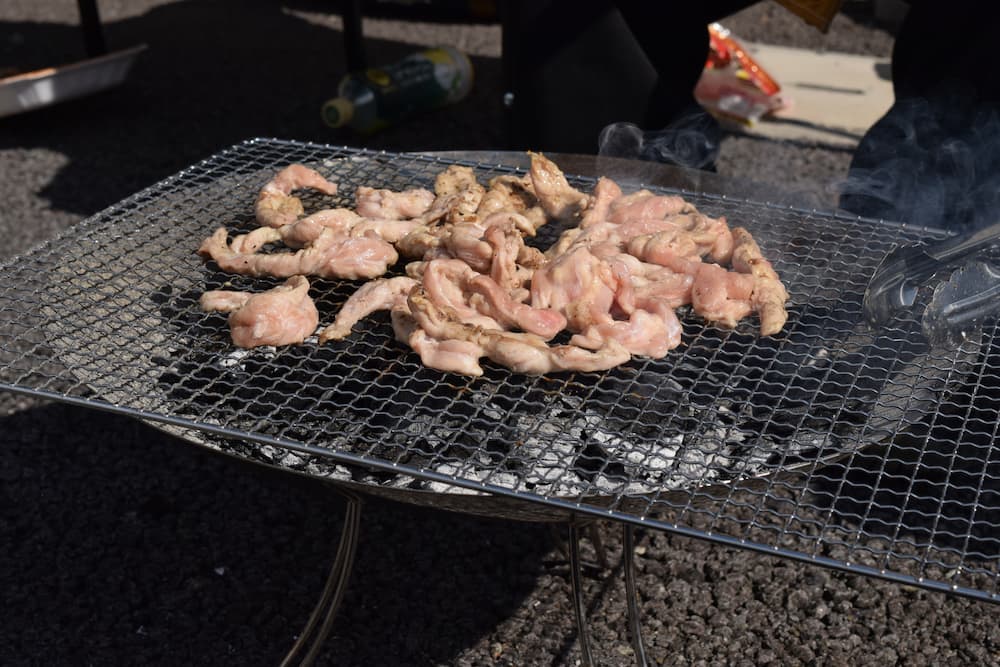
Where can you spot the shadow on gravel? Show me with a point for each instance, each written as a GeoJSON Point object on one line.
{"type": "Point", "coordinates": [124, 544]}
{"type": "Point", "coordinates": [214, 74]}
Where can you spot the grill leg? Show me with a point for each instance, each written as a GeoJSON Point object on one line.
{"type": "Point", "coordinates": [634, 624]}
{"type": "Point", "coordinates": [593, 533]}
{"type": "Point", "coordinates": [317, 630]}
{"type": "Point", "coordinates": [579, 607]}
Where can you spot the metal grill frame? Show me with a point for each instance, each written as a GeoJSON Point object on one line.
{"type": "Point", "coordinates": [911, 495]}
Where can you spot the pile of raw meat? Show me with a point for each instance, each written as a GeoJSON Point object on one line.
{"type": "Point", "coordinates": [472, 288]}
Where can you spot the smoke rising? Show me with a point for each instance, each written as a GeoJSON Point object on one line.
{"type": "Point", "coordinates": [931, 161]}
{"type": "Point", "coordinates": [692, 141]}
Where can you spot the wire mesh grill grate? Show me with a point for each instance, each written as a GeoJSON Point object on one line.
{"type": "Point", "coordinates": [863, 450]}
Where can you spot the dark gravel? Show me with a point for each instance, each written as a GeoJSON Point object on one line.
{"type": "Point", "coordinates": [126, 546]}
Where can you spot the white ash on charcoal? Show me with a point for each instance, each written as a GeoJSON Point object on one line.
{"type": "Point", "coordinates": [568, 453]}
{"type": "Point", "coordinates": [722, 453]}
{"type": "Point", "coordinates": [505, 480]}
{"type": "Point", "coordinates": [550, 468]}
{"type": "Point", "coordinates": [562, 449]}
{"type": "Point", "coordinates": [235, 358]}
{"type": "Point", "coordinates": [288, 458]}
{"type": "Point", "coordinates": [651, 437]}
{"type": "Point", "coordinates": [403, 482]}
{"type": "Point", "coordinates": [649, 467]}
{"type": "Point", "coordinates": [544, 447]}
{"type": "Point", "coordinates": [322, 468]}
{"type": "Point", "coordinates": [423, 436]}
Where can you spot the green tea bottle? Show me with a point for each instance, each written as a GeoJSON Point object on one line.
{"type": "Point", "coordinates": [378, 97]}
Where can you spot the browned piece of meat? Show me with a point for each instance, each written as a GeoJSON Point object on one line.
{"type": "Point", "coordinates": [457, 197]}
{"type": "Point", "coordinates": [559, 199]}
{"type": "Point", "coordinates": [514, 194]}
{"type": "Point", "coordinates": [275, 204]}
{"type": "Point", "coordinates": [769, 294]}
{"type": "Point", "coordinates": [464, 241]}
{"type": "Point", "coordinates": [458, 216]}
{"type": "Point", "coordinates": [284, 315]}
{"type": "Point", "coordinates": [419, 243]}
{"type": "Point", "coordinates": [455, 179]}
{"type": "Point", "coordinates": [457, 185]}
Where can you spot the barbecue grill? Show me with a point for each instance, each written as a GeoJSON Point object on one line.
{"type": "Point", "coordinates": [864, 449]}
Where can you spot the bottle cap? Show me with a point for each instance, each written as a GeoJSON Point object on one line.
{"type": "Point", "coordinates": [337, 112]}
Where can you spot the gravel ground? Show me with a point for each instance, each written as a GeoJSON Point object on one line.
{"type": "Point", "coordinates": [127, 546]}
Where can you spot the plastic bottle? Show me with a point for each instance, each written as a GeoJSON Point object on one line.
{"type": "Point", "coordinates": [378, 97]}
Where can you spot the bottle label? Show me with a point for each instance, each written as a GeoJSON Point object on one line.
{"type": "Point", "coordinates": [419, 82]}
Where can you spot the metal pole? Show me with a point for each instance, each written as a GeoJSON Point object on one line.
{"type": "Point", "coordinates": [587, 659]}
{"type": "Point", "coordinates": [93, 31]}
{"type": "Point", "coordinates": [354, 39]}
{"type": "Point", "coordinates": [333, 592]}
{"type": "Point", "coordinates": [634, 624]}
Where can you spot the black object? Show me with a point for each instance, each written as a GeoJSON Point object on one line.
{"type": "Point", "coordinates": [354, 43]}
{"type": "Point", "coordinates": [576, 68]}
{"type": "Point", "coordinates": [93, 32]}
{"type": "Point", "coordinates": [934, 158]}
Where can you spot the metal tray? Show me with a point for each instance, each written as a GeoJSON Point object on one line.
{"type": "Point", "coordinates": [41, 88]}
